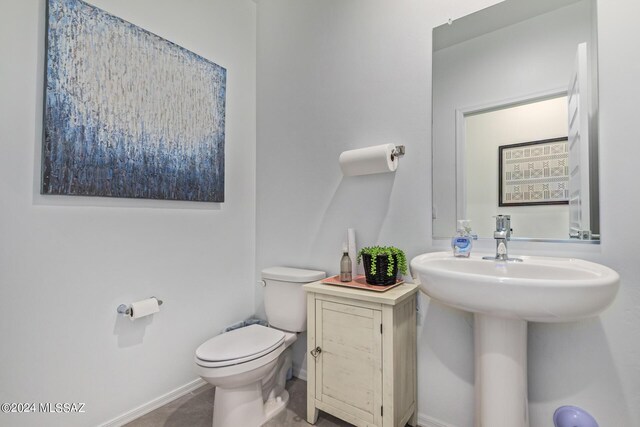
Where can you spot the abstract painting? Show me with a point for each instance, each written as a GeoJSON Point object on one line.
{"type": "Point", "coordinates": [128, 113]}
{"type": "Point", "coordinates": [534, 173]}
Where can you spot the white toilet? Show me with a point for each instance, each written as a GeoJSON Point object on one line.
{"type": "Point", "coordinates": [249, 365]}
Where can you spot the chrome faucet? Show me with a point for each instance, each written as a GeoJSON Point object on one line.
{"type": "Point", "coordinates": [502, 235]}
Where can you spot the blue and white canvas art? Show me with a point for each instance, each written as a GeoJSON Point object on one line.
{"type": "Point", "coordinates": [127, 113]}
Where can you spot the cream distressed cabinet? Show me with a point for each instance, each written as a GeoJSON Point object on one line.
{"type": "Point", "coordinates": [361, 354]}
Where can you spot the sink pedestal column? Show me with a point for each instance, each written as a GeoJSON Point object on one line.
{"type": "Point", "coordinates": [500, 372]}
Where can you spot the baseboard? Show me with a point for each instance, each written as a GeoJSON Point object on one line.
{"type": "Point", "coordinates": [426, 421]}
{"type": "Point", "coordinates": [154, 404]}
{"type": "Point", "coordinates": [423, 420]}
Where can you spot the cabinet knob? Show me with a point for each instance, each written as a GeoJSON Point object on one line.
{"type": "Point", "coordinates": [316, 351]}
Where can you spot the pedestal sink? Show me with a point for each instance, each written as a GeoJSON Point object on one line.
{"type": "Point", "coordinates": [504, 296]}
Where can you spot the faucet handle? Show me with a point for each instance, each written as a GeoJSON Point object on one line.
{"type": "Point", "coordinates": [503, 222]}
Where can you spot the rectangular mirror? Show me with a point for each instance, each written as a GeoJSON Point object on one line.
{"type": "Point", "coordinates": [515, 120]}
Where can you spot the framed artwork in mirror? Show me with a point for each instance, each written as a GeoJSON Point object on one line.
{"type": "Point", "coordinates": [534, 173]}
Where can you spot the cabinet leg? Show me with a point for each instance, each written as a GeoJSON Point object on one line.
{"type": "Point", "coordinates": [312, 413]}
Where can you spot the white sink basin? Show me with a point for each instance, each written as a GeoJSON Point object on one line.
{"type": "Point", "coordinates": [539, 289]}
{"type": "Point", "coordinates": [503, 296]}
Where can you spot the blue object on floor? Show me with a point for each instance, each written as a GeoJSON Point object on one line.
{"type": "Point", "coordinates": [572, 416]}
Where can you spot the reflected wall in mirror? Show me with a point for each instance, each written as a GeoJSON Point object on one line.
{"type": "Point", "coordinates": [515, 73]}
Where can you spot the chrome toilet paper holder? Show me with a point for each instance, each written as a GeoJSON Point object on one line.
{"type": "Point", "coordinates": [398, 151]}
{"type": "Point", "coordinates": [126, 309]}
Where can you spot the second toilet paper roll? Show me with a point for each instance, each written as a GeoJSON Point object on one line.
{"type": "Point", "coordinates": [144, 308]}
{"type": "Point", "coordinates": [365, 161]}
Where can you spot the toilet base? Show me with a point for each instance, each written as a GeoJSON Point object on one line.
{"type": "Point", "coordinates": [243, 406]}
{"type": "Point", "coordinates": [273, 407]}
{"type": "Point", "coordinates": [239, 406]}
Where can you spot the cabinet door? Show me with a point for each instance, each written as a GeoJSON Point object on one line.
{"type": "Point", "coordinates": [349, 368]}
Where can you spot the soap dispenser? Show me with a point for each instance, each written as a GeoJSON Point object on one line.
{"type": "Point", "coordinates": [462, 242]}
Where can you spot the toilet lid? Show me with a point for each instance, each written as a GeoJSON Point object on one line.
{"type": "Point", "coordinates": [240, 345]}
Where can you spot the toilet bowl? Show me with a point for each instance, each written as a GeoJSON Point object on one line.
{"type": "Point", "coordinates": [248, 366]}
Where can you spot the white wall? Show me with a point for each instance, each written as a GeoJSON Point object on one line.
{"type": "Point", "coordinates": [493, 68]}
{"type": "Point", "coordinates": [332, 76]}
{"type": "Point", "coordinates": [67, 262]}
{"type": "Point", "coordinates": [484, 133]}
{"type": "Point", "coordinates": [336, 75]}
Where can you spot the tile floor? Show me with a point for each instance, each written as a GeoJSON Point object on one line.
{"type": "Point", "coordinates": [195, 410]}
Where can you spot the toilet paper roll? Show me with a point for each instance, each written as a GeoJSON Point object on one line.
{"type": "Point", "coordinates": [144, 308]}
{"type": "Point", "coordinates": [365, 161]}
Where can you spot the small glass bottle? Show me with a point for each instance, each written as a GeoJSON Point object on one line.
{"type": "Point", "coordinates": [345, 265]}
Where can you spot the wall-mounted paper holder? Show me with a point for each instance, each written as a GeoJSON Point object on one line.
{"type": "Point", "coordinates": [369, 160]}
{"type": "Point", "coordinates": [398, 151]}
{"type": "Point", "coordinates": [126, 309]}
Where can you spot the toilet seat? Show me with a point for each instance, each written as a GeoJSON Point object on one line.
{"type": "Point", "coordinates": [239, 346]}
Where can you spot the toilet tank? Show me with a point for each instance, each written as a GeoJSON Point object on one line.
{"type": "Point", "coordinates": [284, 299]}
